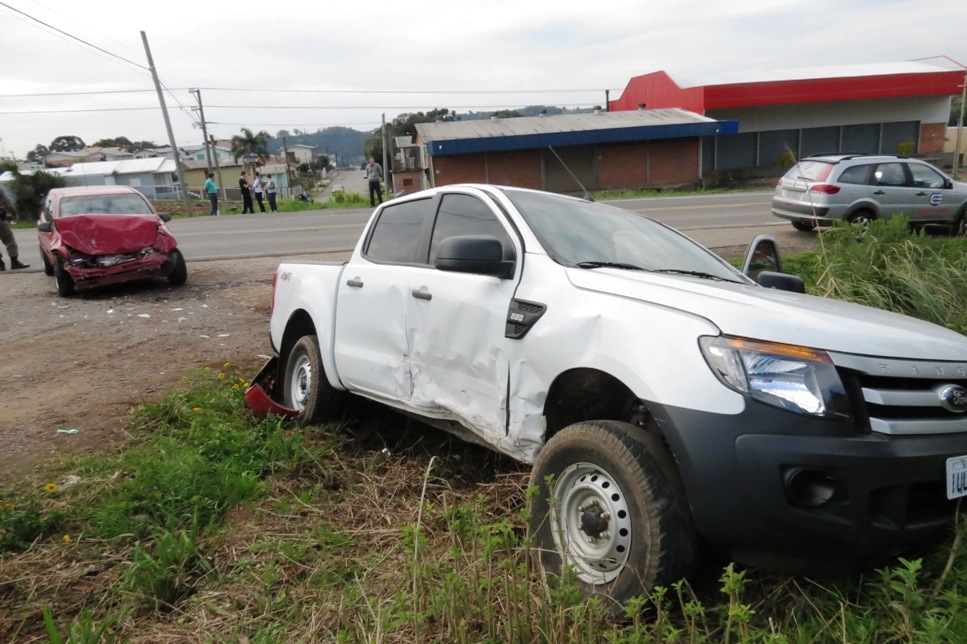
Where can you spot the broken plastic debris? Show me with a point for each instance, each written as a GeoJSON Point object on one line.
{"type": "Point", "coordinates": [144, 315]}
{"type": "Point", "coordinates": [67, 431]}
{"type": "Point", "coordinates": [71, 480]}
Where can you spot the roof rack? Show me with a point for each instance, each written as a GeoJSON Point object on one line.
{"type": "Point", "coordinates": [853, 155]}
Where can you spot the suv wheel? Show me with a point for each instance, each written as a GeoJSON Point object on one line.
{"type": "Point", "coordinates": [861, 218]}
{"type": "Point", "coordinates": [959, 226]}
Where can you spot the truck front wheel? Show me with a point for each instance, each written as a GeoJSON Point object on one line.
{"type": "Point", "coordinates": [609, 507]}
{"type": "Point", "coordinates": [305, 386]}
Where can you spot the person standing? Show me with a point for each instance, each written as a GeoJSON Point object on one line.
{"type": "Point", "coordinates": [271, 191]}
{"type": "Point", "coordinates": [212, 190]}
{"type": "Point", "coordinates": [257, 189]}
{"type": "Point", "coordinates": [6, 236]}
{"type": "Point", "coordinates": [246, 194]}
{"type": "Point", "coordinates": [374, 173]}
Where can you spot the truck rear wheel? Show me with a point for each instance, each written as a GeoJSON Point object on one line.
{"type": "Point", "coordinates": [610, 507]}
{"type": "Point", "coordinates": [305, 387]}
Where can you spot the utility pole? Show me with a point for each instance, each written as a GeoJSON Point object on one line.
{"type": "Point", "coordinates": [204, 128]}
{"type": "Point", "coordinates": [218, 168]}
{"type": "Point", "coordinates": [386, 170]}
{"type": "Point", "coordinates": [171, 135]}
{"type": "Point", "coordinates": [960, 126]}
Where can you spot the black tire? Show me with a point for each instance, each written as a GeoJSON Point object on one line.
{"type": "Point", "coordinates": [65, 283]}
{"type": "Point", "coordinates": [861, 218]}
{"type": "Point", "coordinates": [803, 225]}
{"type": "Point", "coordinates": [610, 504]}
{"type": "Point", "coordinates": [305, 387]}
{"type": "Point", "coordinates": [179, 272]}
{"type": "Point", "coordinates": [48, 267]}
{"type": "Point", "coordinates": [959, 226]}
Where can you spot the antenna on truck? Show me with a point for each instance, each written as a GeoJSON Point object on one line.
{"type": "Point", "coordinates": [587, 195]}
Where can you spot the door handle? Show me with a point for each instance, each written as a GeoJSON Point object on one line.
{"type": "Point", "coordinates": [879, 192]}
{"type": "Point", "coordinates": [356, 283]}
{"type": "Point", "coordinates": [421, 294]}
{"type": "Point", "coordinates": [921, 194]}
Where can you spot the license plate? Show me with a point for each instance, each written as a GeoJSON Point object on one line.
{"type": "Point", "coordinates": [956, 477]}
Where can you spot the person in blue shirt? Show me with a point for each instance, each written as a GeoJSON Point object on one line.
{"type": "Point", "coordinates": [212, 191]}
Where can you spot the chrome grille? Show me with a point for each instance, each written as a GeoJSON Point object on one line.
{"type": "Point", "coordinates": [902, 397]}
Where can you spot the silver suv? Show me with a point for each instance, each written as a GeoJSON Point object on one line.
{"type": "Point", "coordinates": [859, 188]}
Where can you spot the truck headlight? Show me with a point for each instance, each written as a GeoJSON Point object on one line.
{"type": "Point", "coordinates": [800, 379]}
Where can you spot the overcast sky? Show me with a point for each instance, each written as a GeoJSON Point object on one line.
{"type": "Point", "coordinates": [79, 67]}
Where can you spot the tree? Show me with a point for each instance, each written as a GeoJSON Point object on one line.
{"type": "Point", "coordinates": [67, 143]}
{"type": "Point", "coordinates": [249, 143]}
{"type": "Point", "coordinates": [8, 166]}
{"type": "Point", "coordinates": [29, 191]}
{"type": "Point", "coordinates": [38, 154]}
{"type": "Point", "coordinates": [119, 142]}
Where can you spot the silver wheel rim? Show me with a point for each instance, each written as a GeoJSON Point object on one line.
{"type": "Point", "coordinates": [592, 523]}
{"type": "Point", "coordinates": [300, 383]}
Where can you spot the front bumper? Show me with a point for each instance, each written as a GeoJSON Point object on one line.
{"type": "Point", "coordinates": [768, 484]}
{"type": "Point", "coordinates": [151, 266]}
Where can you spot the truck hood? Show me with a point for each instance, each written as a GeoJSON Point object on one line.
{"type": "Point", "coordinates": [108, 234]}
{"type": "Point", "coordinates": [768, 314]}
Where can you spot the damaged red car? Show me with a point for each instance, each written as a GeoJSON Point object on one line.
{"type": "Point", "coordinates": [99, 235]}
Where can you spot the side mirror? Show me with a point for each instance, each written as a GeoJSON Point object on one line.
{"type": "Point", "coordinates": [763, 255]}
{"type": "Point", "coordinates": [480, 254]}
{"type": "Point", "coordinates": [781, 281]}
{"type": "Point", "coordinates": [165, 217]}
{"type": "Point", "coordinates": [45, 227]}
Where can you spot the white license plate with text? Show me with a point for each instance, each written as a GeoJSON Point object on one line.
{"type": "Point", "coordinates": [956, 477]}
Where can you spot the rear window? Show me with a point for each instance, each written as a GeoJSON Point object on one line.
{"type": "Point", "coordinates": [856, 174]}
{"type": "Point", "coordinates": [810, 171]}
{"type": "Point", "coordinates": [127, 204]}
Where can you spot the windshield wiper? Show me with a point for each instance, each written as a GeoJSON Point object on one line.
{"type": "Point", "coordinates": [627, 267]}
{"type": "Point", "coordinates": [681, 271]}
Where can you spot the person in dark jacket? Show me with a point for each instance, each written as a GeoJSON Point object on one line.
{"type": "Point", "coordinates": [6, 236]}
{"type": "Point", "coordinates": [246, 194]}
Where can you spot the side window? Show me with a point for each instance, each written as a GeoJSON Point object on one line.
{"type": "Point", "coordinates": [396, 235]}
{"type": "Point", "coordinates": [466, 215]}
{"type": "Point", "coordinates": [926, 177]}
{"type": "Point", "coordinates": [890, 174]}
{"type": "Point", "coordinates": [859, 174]}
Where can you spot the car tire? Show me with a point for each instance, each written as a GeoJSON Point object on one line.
{"type": "Point", "coordinates": [861, 218]}
{"type": "Point", "coordinates": [64, 282]}
{"type": "Point", "coordinates": [610, 508]}
{"type": "Point", "coordinates": [48, 267]}
{"type": "Point", "coordinates": [803, 225]}
{"type": "Point", "coordinates": [959, 226]}
{"type": "Point", "coordinates": [305, 386]}
{"type": "Point", "coordinates": [179, 272]}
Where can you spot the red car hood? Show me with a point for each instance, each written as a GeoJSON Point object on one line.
{"type": "Point", "coordinates": [108, 234]}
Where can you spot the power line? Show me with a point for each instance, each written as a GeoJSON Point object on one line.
{"type": "Point", "coordinates": [71, 36]}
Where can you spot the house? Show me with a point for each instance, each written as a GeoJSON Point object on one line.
{"type": "Point", "coordinates": [299, 153]}
{"type": "Point", "coordinates": [86, 155]}
{"type": "Point", "coordinates": [156, 177]}
{"type": "Point", "coordinates": [783, 115]}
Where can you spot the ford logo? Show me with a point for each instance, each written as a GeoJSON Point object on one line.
{"type": "Point", "coordinates": [953, 398]}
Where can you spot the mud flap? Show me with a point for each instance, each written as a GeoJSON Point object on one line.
{"type": "Point", "coordinates": [259, 396]}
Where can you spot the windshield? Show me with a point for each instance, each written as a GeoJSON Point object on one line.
{"type": "Point", "coordinates": [592, 235]}
{"type": "Point", "coordinates": [126, 204]}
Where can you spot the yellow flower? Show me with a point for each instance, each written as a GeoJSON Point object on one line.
{"type": "Point", "coordinates": [221, 375]}
{"type": "Point", "coordinates": [227, 364]}
{"type": "Point", "coordinates": [196, 408]}
{"type": "Point", "coordinates": [207, 369]}
{"type": "Point", "coordinates": [8, 506]}
{"type": "Point", "coordinates": [51, 487]}
{"type": "Point", "coordinates": [235, 386]}
{"type": "Point", "coordinates": [67, 538]}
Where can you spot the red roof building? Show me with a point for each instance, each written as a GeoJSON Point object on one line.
{"type": "Point", "coordinates": [886, 108]}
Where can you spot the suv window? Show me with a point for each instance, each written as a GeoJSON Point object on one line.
{"type": "Point", "coordinates": [926, 177]}
{"type": "Point", "coordinates": [465, 215]}
{"type": "Point", "coordinates": [856, 174]}
{"type": "Point", "coordinates": [810, 170]}
{"type": "Point", "coordinates": [396, 235]}
{"type": "Point", "coordinates": [890, 174]}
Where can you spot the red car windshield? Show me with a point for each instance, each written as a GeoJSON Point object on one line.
{"type": "Point", "coordinates": [104, 205]}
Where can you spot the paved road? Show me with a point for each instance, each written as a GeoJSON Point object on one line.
{"type": "Point", "coordinates": [719, 221]}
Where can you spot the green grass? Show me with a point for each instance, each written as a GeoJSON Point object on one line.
{"type": "Point", "coordinates": [211, 526]}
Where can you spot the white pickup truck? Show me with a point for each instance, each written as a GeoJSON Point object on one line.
{"type": "Point", "coordinates": [664, 398]}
